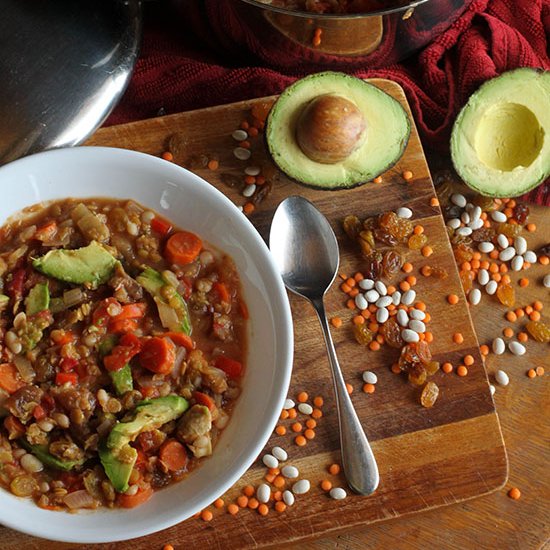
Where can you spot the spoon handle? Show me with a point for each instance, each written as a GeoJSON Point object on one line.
{"type": "Point", "coordinates": [358, 460]}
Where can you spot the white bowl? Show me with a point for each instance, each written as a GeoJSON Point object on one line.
{"type": "Point", "coordinates": [193, 204]}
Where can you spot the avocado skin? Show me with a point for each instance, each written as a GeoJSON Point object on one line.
{"type": "Point", "coordinates": [152, 281]}
{"type": "Point", "coordinates": [41, 452]}
{"type": "Point", "coordinates": [90, 264]}
{"type": "Point", "coordinates": [149, 415]}
{"type": "Point", "coordinates": [38, 299]}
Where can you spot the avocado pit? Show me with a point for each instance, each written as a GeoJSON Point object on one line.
{"type": "Point", "coordinates": [330, 128]}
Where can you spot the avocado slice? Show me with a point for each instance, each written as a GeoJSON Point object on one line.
{"type": "Point", "coordinates": [499, 142]}
{"type": "Point", "coordinates": [4, 301]}
{"type": "Point", "coordinates": [331, 130]}
{"type": "Point", "coordinates": [41, 452]}
{"type": "Point", "coordinates": [90, 264]}
{"type": "Point", "coordinates": [116, 455]}
{"type": "Point", "coordinates": [155, 284]}
{"type": "Point", "coordinates": [122, 378]}
{"type": "Point", "coordinates": [38, 299]}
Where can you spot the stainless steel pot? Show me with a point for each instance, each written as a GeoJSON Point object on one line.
{"type": "Point", "coordinates": [387, 34]}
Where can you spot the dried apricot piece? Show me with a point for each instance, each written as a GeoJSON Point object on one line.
{"type": "Point", "coordinates": [363, 334]}
{"type": "Point", "coordinates": [429, 395]}
{"type": "Point", "coordinates": [506, 295]}
{"type": "Point", "coordinates": [539, 331]}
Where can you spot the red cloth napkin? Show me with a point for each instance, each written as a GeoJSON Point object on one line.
{"type": "Point", "coordinates": [219, 61]}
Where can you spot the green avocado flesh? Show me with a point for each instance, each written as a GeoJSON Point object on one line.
{"type": "Point", "coordinates": [500, 143]}
{"type": "Point", "coordinates": [38, 299]}
{"type": "Point", "coordinates": [116, 455]}
{"type": "Point", "coordinates": [387, 132]}
{"type": "Point", "coordinates": [90, 264]}
{"type": "Point", "coordinates": [41, 452]}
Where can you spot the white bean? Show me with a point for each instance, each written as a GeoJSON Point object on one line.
{"type": "Point", "coordinates": [492, 389]}
{"type": "Point", "coordinates": [290, 472]}
{"type": "Point", "coordinates": [241, 153]}
{"type": "Point", "coordinates": [486, 247]}
{"type": "Point", "coordinates": [404, 212]}
{"type": "Point", "coordinates": [476, 224]}
{"type": "Point", "coordinates": [474, 296]}
{"type": "Point", "coordinates": [502, 378]}
{"type": "Point", "coordinates": [520, 244]}
{"type": "Point", "coordinates": [384, 301]}
{"type": "Point", "coordinates": [475, 213]}
{"type": "Point", "coordinates": [369, 377]}
{"type": "Point", "coordinates": [517, 263]}
{"type": "Point", "coordinates": [279, 453]}
{"type": "Point", "coordinates": [263, 493]}
{"type": "Point", "coordinates": [409, 335]}
{"type": "Point", "coordinates": [366, 284]}
{"type": "Point", "coordinates": [546, 281]}
{"type": "Point", "coordinates": [289, 404]}
{"type": "Point", "coordinates": [417, 314]}
{"type": "Point", "coordinates": [381, 288]}
{"type": "Point", "coordinates": [382, 315]}
{"type": "Point", "coordinates": [252, 170]}
{"type": "Point", "coordinates": [239, 135]}
{"type": "Point", "coordinates": [499, 217]}
{"type": "Point", "coordinates": [530, 257]}
{"type": "Point", "coordinates": [483, 277]}
{"type": "Point", "coordinates": [498, 346]}
{"type": "Point", "coordinates": [453, 223]}
{"type": "Point", "coordinates": [402, 317]}
{"type": "Point", "coordinates": [502, 241]}
{"type": "Point", "coordinates": [288, 498]}
{"type": "Point", "coordinates": [417, 326]}
{"type": "Point", "coordinates": [249, 190]}
{"type": "Point", "coordinates": [465, 217]}
{"type": "Point", "coordinates": [361, 302]}
{"type": "Point", "coordinates": [270, 461]}
{"type": "Point", "coordinates": [458, 199]}
{"type": "Point", "coordinates": [516, 348]}
{"type": "Point", "coordinates": [464, 231]}
{"type": "Point", "coordinates": [408, 297]}
{"type": "Point", "coordinates": [305, 408]}
{"type": "Point", "coordinates": [396, 298]}
{"type": "Point", "coordinates": [31, 464]}
{"type": "Point", "coordinates": [372, 296]}
{"type": "Point", "coordinates": [301, 487]}
{"type": "Point", "coordinates": [507, 254]}
{"type": "Point", "coordinates": [491, 287]}
{"type": "Point", "coordinates": [337, 493]}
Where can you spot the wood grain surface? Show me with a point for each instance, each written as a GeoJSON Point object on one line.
{"type": "Point", "coordinates": [427, 458]}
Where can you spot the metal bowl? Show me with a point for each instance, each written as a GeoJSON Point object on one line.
{"type": "Point", "coordinates": [387, 34]}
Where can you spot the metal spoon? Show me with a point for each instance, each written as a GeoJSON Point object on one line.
{"type": "Point", "coordinates": [306, 250]}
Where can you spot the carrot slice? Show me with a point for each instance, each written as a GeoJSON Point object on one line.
{"type": "Point", "coordinates": [181, 339]}
{"type": "Point", "coordinates": [204, 399]}
{"type": "Point", "coordinates": [222, 291]}
{"type": "Point", "coordinates": [131, 501]}
{"type": "Point", "coordinates": [158, 355]}
{"type": "Point", "coordinates": [161, 226]}
{"type": "Point", "coordinates": [131, 311]}
{"type": "Point", "coordinates": [182, 247]}
{"type": "Point", "coordinates": [173, 455]}
{"type": "Point", "coordinates": [123, 326]}
{"type": "Point", "coordinates": [231, 367]}
{"type": "Point", "coordinates": [46, 232]}
{"type": "Point", "coordinates": [9, 378]}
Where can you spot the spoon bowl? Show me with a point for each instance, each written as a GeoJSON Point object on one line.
{"type": "Point", "coordinates": [306, 251]}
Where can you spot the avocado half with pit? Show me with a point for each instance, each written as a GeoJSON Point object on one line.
{"type": "Point", "coordinates": [500, 143]}
{"type": "Point", "coordinates": [330, 131]}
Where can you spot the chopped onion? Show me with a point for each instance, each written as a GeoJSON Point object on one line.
{"type": "Point", "coordinates": [89, 224]}
{"type": "Point", "coordinates": [168, 316]}
{"type": "Point", "coordinates": [79, 499]}
{"type": "Point", "coordinates": [180, 356]}
{"type": "Point", "coordinates": [73, 297]}
{"type": "Point", "coordinates": [24, 367]}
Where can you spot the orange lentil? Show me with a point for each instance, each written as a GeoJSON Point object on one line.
{"type": "Point", "coordinates": [244, 144]}
{"type": "Point", "coordinates": [426, 270]}
{"type": "Point", "coordinates": [476, 255]}
{"type": "Point", "coordinates": [326, 485]}
{"type": "Point", "coordinates": [280, 430]}
{"type": "Point", "coordinates": [531, 373]}
{"type": "Point", "coordinates": [336, 322]}
{"type": "Point", "coordinates": [493, 255]}
{"type": "Point", "coordinates": [279, 482]}
{"type": "Point", "coordinates": [167, 547]}
{"type": "Point", "coordinates": [245, 125]}
{"type": "Point", "coordinates": [309, 434]}
{"type": "Point", "coordinates": [334, 469]}
{"type": "Point", "coordinates": [519, 312]}
{"type": "Point", "coordinates": [344, 287]}
{"type": "Point", "coordinates": [544, 260]}
{"type": "Point", "coordinates": [302, 397]}
{"type": "Point", "coordinates": [434, 201]}
{"type": "Point", "coordinates": [253, 132]}
{"type": "Point", "coordinates": [369, 388]}
{"type": "Point", "coordinates": [539, 371]}
{"type": "Point", "coordinates": [242, 501]}
{"type": "Point", "coordinates": [280, 506]}
{"type": "Point", "coordinates": [486, 223]}
{"type": "Point", "coordinates": [377, 179]}
{"type": "Point", "coordinates": [428, 318]}
{"type": "Point", "coordinates": [248, 208]}
{"type": "Point", "coordinates": [411, 279]}
{"type": "Point", "coordinates": [218, 503]}
{"type": "Point", "coordinates": [418, 229]}
{"type": "Point", "coordinates": [213, 164]}
{"type": "Point", "coordinates": [462, 370]}
{"type": "Point", "coordinates": [311, 424]}
{"type": "Point", "coordinates": [484, 264]}
{"type": "Point", "coordinates": [206, 515]}
{"type": "Point", "coordinates": [466, 266]}
{"type": "Point", "coordinates": [395, 368]}
{"type": "Point", "coordinates": [354, 292]}
{"type": "Point", "coordinates": [380, 339]}
{"type": "Point", "coordinates": [277, 496]}
{"type": "Point", "coordinates": [452, 299]}
{"type": "Point", "coordinates": [531, 227]}
{"type": "Point", "coordinates": [514, 493]}
{"type": "Point", "coordinates": [503, 268]}
{"type": "Point", "coordinates": [404, 286]}
{"type": "Point", "coordinates": [496, 277]}
{"type": "Point", "coordinates": [407, 175]}
{"type": "Point", "coordinates": [350, 304]}
{"type": "Point", "coordinates": [422, 337]}
{"type": "Point", "coordinates": [284, 414]}
{"type": "Point", "coordinates": [358, 320]}
{"type": "Point", "coordinates": [358, 276]}
{"type": "Point", "coordinates": [511, 204]}
{"type": "Point", "coordinates": [484, 349]}
{"type": "Point", "coordinates": [475, 264]}
{"type": "Point", "coordinates": [508, 212]}
{"type": "Point", "coordinates": [351, 282]}
{"type": "Point", "coordinates": [426, 251]}
{"type": "Point", "coordinates": [508, 332]}
{"type": "Point", "coordinates": [343, 276]}
{"type": "Point", "coordinates": [458, 338]}
{"type": "Point", "coordinates": [263, 510]}
{"type": "Point", "coordinates": [167, 155]}
{"type": "Point", "coordinates": [373, 308]}
{"type": "Point", "coordinates": [269, 478]}
{"type": "Point", "coordinates": [523, 336]}
{"type": "Point", "coordinates": [317, 413]}
{"type": "Point", "coordinates": [468, 360]}
{"type": "Point", "coordinates": [300, 440]}
{"type": "Point", "coordinates": [249, 490]}
{"type": "Point", "coordinates": [483, 216]}
{"type": "Point", "coordinates": [349, 388]}
{"type": "Point", "coordinates": [429, 336]}
{"type": "Point", "coordinates": [391, 289]}
{"type": "Point", "coordinates": [292, 414]}
{"type": "Point", "coordinates": [374, 346]}
{"type": "Point", "coordinates": [523, 282]}
{"type": "Point", "coordinates": [296, 427]}
{"type": "Point", "coordinates": [318, 401]}
{"type": "Point", "coordinates": [538, 305]}
{"type": "Point", "coordinates": [407, 267]}
{"type": "Point", "coordinates": [511, 316]}
{"type": "Point", "coordinates": [528, 310]}
{"type": "Point", "coordinates": [249, 180]}
{"type": "Point", "coordinates": [447, 368]}
{"type": "Point", "coordinates": [420, 305]}
{"type": "Point", "coordinates": [535, 316]}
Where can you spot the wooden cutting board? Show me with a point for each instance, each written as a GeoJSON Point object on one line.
{"type": "Point", "coordinates": [427, 457]}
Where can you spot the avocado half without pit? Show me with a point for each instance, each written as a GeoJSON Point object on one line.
{"type": "Point", "coordinates": [500, 143]}
{"type": "Point", "coordinates": [331, 131]}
